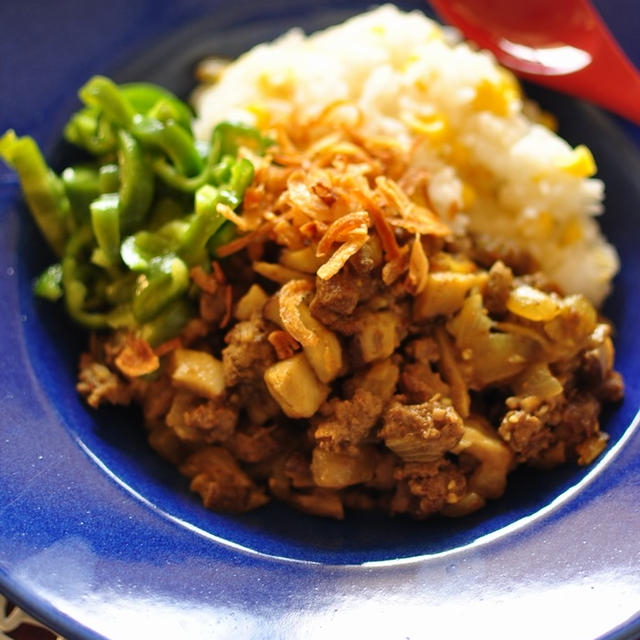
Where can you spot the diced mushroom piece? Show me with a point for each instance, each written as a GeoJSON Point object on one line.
{"type": "Point", "coordinates": [295, 387]}
{"type": "Point", "coordinates": [197, 371]}
{"type": "Point", "coordinates": [271, 310]}
{"type": "Point", "coordinates": [250, 303]}
{"type": "Point", "coordinates": [325, 357]}
{"type": "Point", "coordinates": [378, 336]}
{"type": "Point", "coordinates": [379, 379]}
{"type": "Point", "coordinates": [445, 293]}
{"type": "Point", "coordinates": [482, 442]}
{"type": "Point", "coordinates": [304, 260]}
{"type": "Point", "coordinates": [336, 470]}
{"type": "Point", "coordinates": [325, 354]}
{"type": "Point", "coordinates": [182, 402]}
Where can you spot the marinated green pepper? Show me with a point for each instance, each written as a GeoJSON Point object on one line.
{"type": "Point", "coordinates": [129, 223]}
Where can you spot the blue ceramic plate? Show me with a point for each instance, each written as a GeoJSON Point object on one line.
{"type": "Point", "coordinates": [101, 539]}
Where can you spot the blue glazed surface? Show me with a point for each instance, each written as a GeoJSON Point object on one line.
{"type": "Point", "coordinates": [99, 538]}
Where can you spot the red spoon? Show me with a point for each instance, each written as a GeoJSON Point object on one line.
{"type": "Point", "coordinates": [563, 44]}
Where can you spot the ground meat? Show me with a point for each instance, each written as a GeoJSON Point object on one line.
{"type": "Point", "coordinates": [427, 430]}
{"type": "Point", "coordinates": [221, 483]}
{"type": "Point", "coordinates": [98, 384]}
{"type": "Point", "coordinates": [539, 280]}
{"type": "Point", "coordinates": [579, 418]}
{"type": "Point", "coordinates": [595, 374]}
{"type": "Point", "coordinates": [498, 288]}
{"type": "Point", "coordinates": [215, 418]}
{"type": "Point", "coordinates": [360, 499]}
{"type": "Point", "coordinates": [525, 433]}
{"type": "Point", "coordinates": [350, 421]}
{"type": "Point", "coordinates": [165, 442]}
{"type": "Point", "coordinates": [611, 389]}
{"type": "Point", "coordinates": [338, 296]}
{"type": "Point", "coordinates": [194, 419]}
{"type": "Point", "coordinates": [383, 471]}
{"type": "Point", "coordinates": [425, 488]}
{"type": "Point", "coordinates": [248, 353]}
{"type": "Point", "coordinates": [420, 382]}
{"type": "Point", "coordinates": [194, 331]}
{"type": "Point", "coordinates": [367, 259]}
{"type": "Point", "coordinates": [488, 250]}
{"type": "Point", "coordinates": [256, 443]}
{"type": "Point", "coordinates": [320, 502]}
{"type": "Point", "coordinates": [257, 402]}
{"type": "Point", "coordinates": [533, 427]}
{"type": "Point", "coordinates": [158, 398]}
{"type": "Point", "coordinates": [592, 368]}
{"type": "Point", "coordinates": [213, 306]}
{"type": "Point", "coordinates": [105, 349]}
{"type": "Point", "coordinates": [298, 471]}
{"type": "Point", "coordinates": [423, 349]}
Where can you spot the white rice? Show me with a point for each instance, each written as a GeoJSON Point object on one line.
{"type": "Point", "coordinates": [501, 171]}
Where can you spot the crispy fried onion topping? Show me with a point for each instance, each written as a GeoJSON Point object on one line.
{"type": "Point", "coordinates": [328, 183]}
{"type": "Point", "coordinates": [137, 358]}
{"type": "Point", "coordinates": [290, 297]}
{"type": "Point", "coordinates": [418, 275]}
{"type": "Point", "coordinates": [352, 232]}
{"type": "Point", "coordinates": [402, 212]}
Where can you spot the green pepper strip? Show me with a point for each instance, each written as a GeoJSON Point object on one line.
{"type": "Point", "coordinates": [170, 138]}
{"type": "Point", "coordinates": [168, 174]}
{"type": "Point", "coordinates": [144, 97]}
{"type": "Point", "coordinates": [224, 235]}
{"type": "Point", "coordinates": [139, 250]}
{"type": "Point", "coordinates": [166, 281]}
{"type": "Point", "coordinates": [89, 129]}
{"type": "Point", "coordinates": [109, 178]}
{"type": "Point", "coordinates": [204, 223]}
{"type": "Point", "coordinates": [105, 220]}
{"type": "Point", "coordinates": [42, 188]}
{"type": "Point", "coordinates": [105, 94]}
{"type": "Point", "coordinates": [165, 110]}
{"type": "Point", "coordinates": [120, 291]}
{"type": "Point", "coordinates": [167, 208]}
{"type": "Point", "coordinates": [231, 135]}
{"type": "Point", "coordinates": [206, 220]}
{"type": "Point", "coordinates": [241, 177]}
{"type": "Point", "coordinates": [136, 182]}
{"type": "Point", "coordinates": [76, 290]}
{"type": "Point", "coordinates": [221, 172]}
{"type": "Point", "coordinates": [217, 170]}
{"type": "Point", "coordinates": [49, 283]}
{"type": "Point", "coordinates": [177, 180]}
{"type": "Point", "coordinates": [82, 186]}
